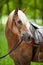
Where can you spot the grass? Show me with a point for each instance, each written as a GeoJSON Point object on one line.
{"type": "Point", "coordinates": [4, 49]}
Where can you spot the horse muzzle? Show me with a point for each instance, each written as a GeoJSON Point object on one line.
{"type": "Point", "coordinates": [26, 37]}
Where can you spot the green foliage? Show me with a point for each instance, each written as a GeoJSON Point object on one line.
{"type": "Point", "coordinates": [1, 27]}
{"type": "Point", "coordinates": [30, 6]}
{"type": "Point", "coordinates": [36, 63]}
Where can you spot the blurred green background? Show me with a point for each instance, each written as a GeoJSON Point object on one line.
{"type": "Point", "coordinates": [34, 12]}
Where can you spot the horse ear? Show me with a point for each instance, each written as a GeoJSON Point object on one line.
{"type": "Point", "coordinates": [23, 10]}
{"type": "Point", "coordinates": [16, 10]}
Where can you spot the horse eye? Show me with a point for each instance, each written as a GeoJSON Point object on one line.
{"type": "Point", "coordinates": [19, 22]}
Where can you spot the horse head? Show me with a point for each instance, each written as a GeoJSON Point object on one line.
{"type": "Point", "coordinates": [19, 24]}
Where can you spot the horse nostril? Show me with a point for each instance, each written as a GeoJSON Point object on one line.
{"type": "Point", "coordinates": [29, 37]}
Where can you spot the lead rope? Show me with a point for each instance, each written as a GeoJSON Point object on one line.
{"type": "Point", "coordinates": [14, 48]}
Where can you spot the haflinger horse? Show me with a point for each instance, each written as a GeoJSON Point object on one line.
{"type": "Point", "coordinates": [17, 27]}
